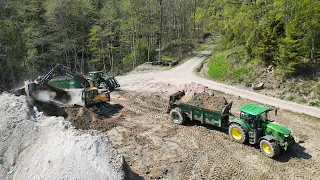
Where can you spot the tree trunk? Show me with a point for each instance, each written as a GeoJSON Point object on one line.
{"type": "Point", "coordinates": [133, 45]}
{"type": "Point", "coordinates": [194, 17]}
{"type": "Point", "coordinates": [2, 78]}
{"type": "Point", "coordinates": [82, 62]}
{"type": "Point", "coordinates": [148, 22]}
{"type": "Point", "coordinates": [12, 74]}
{"type": "Point", "coordinates": [103, 56]}
{"type": "Point", "coordinates": [312, 46]}
{"type": "Point", "coordinates": [160, 34]}
{"type": "Point", "coordinates": [111, 54]}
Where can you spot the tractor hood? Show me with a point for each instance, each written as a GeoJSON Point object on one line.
{"type": "Point", "coordinates": [279, 128]}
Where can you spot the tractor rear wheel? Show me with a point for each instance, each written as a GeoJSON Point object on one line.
{"type": "Point", "coordinates": [177, 116]}
{"type": "Point", "coordinates": [271, 149]}
{"type": "Point", "coordinates": [237, 133]}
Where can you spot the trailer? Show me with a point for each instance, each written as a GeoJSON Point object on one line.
{"type": "Point", "coordinates": [252, 126]}
{"type": "Point", "coordinates": [181, 112]}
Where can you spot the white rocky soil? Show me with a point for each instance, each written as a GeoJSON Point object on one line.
{"type": "Point", "coordinates": [33, 146]}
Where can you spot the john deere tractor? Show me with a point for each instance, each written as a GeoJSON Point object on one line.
{"type": "Point", "coordinates": [254, 127]}
{"type": "Point", "coordinates": [100, 79]}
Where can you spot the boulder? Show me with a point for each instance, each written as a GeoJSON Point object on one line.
{"type": "Point", "coordinates": [258, 86]}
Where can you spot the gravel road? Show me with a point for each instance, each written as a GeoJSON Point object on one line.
{"type": "Point", "coordinates": [185, 74]}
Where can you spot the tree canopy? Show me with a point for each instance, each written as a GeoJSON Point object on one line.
{"type": "Point", "coordinates": [117, 35]}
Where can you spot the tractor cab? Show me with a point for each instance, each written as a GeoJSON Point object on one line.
{"type": "Point", "coordinates": [254, 115]}
{"type": "Point", "coordinates": [96, 77]}
{"type": "Point", "coordinates": [99, 77]}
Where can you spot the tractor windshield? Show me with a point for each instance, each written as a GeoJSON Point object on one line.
{"type": "Point", "coordinates": [264, 116]}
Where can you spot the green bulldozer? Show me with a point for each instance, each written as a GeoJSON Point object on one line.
{"type": "Point", "coordinates": [99, 79]}
{"type": "Point", "coordinates": [253, 125]}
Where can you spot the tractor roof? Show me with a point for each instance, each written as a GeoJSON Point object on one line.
{"type": "Point", "coordinates": [91, 72]}
{"type": "Point", "coordinates": [253, 109]}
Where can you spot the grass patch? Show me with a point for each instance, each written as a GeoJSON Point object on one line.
{"type": "Point", "coordinates": [205, 46]}
{"type": "Point", "coordinates": [230, 65]}
{"type": "Point", "coordinates": [239, 73]}
{"type": "Point", "coordinates": [218, 67]}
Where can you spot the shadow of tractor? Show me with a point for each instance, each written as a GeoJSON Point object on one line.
{"type": "Point", "coordinates": [295, 151]}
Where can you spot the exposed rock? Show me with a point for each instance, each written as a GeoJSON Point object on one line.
{"type": "Point", "coordinates": [258, 87]}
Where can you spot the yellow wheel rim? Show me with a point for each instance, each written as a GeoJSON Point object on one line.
{"type": "Point", "coordinates": [266, 148]}
{"type": "Point", "coordinates": [236, 133]}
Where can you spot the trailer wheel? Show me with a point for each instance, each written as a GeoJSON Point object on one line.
{"type": "Point", "coordinates": [271, 149]}
{"type": "Point", "coordinates": [177, 116]}
{"type": "Point", "coordinates": [237, 133]}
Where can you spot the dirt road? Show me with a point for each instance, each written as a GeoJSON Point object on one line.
{"type": "Point", "coordinates": [185, 74]}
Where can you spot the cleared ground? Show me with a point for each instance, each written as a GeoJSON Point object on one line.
{"type": "Point", "coordinates": [155, 148]}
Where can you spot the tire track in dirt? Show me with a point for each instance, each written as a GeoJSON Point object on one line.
{"type": "Point", "coordinates": [221, 161]}
{"type": "Point", "coordinates": [159, 149]}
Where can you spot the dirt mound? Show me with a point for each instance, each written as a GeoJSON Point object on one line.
{"type": "Point", "coordinates": [167, 88]}
{"type": "Point", "coordinates": [204, 100]}
{"type": "Point", "coordinates": [197, 88]}
{"type": "Point", "coordinates": [83, 118]}
{"type": "Point", "coordinates": [33, 146]}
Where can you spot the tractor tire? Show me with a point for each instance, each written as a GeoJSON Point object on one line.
{"type": "Point", "coordinates": [177, 116]}
{"type": "Point", "coordinates": [271, 149]}
{"type": "Point", "coordinates": [237, 133]}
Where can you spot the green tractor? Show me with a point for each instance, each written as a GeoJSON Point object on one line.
{"type": "Point", "coordinates": [99, 79]}
{"type": "Point", "coordinates": [254, 127]}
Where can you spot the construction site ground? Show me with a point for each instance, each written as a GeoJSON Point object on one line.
{"type": "Point", "coordinates": [138, 128]}
{"type": "Point", "coordinates": [155, 148]}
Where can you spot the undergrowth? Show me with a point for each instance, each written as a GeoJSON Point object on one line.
{"type": "Point", "coordinates": [230, 65]}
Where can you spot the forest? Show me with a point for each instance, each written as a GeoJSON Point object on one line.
{"type": "Point", "coordinates": [117, 35]}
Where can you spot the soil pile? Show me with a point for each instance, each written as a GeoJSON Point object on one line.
{"type": "Point", "coordinates": [167, 88]}
{"type": "Point", "coordinates": [205, 100]}
{"type": "Point", "coordinates": [83, 118]}
{"type": "Point", "coordinates": [44, 147]}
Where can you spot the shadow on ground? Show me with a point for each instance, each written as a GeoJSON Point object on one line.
{"type": "Point", "coordinates": [129, 174]}
{"type": "Point", "coordinates": [110, 110]}
{"type": "Point", "coordinates": [198, 123]}
{"type": "Point", "coordinates": [296, 151]}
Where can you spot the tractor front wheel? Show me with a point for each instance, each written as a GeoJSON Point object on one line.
{"type": "Point", "coordinates": [237, 133]}
{"type": "Point", "coordinates": [271, 149]}
{"type": "Point", "coordinates": [177, 116]}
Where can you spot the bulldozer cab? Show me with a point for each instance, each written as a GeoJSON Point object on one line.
{"type": "Point", "coordinates": [92, 96]}
{"type": "Point", "coordinates": [91, 93]}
